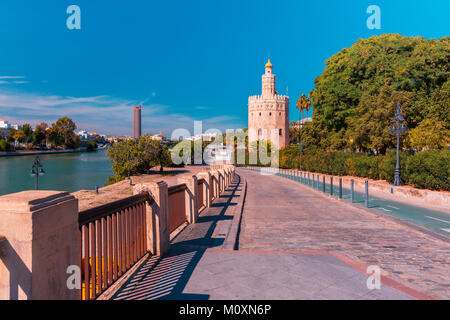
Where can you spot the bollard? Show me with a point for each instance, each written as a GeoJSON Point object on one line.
{"type": "Point", "coordinates": [309, 179]}
{"type": "Point", "coordinates": [96, 189]}
{"type": "Point", "coordinates": [352, 190]}
{"type": "Point", "coordinates": [367, 194]}
{"type": "Point", "coordinates": [318, 187]}
{"type": "Point", "coordinates": [340, 188]}
{"type": "Point", "coordinates": [331, 185]}
{"type": "Point", "coordinates": [323, 184]}
{"type": "Point", "coordinates": [313, 179]}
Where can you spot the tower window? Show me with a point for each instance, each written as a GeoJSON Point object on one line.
{"type": "Point", "coordinates": [260, 113]}
{"type": "Point", "coordinates": [259, 132]}
{"type": "Point", "coordinates": [280, 113]}
{"type": "Point", "coordinates": [270, 113]}
{"type": "Point", "coordinates": [281, 132]}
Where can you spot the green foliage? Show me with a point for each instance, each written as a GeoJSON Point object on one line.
{"type": "Point", "coordinates": [91, 145]}
{"type": "Point", "coordinates": [20, 136]}
{"type": "Point", "coordinates": [28, 131]}
{"type": "Point", "coordinates": [40, 134]}
{"type": "Point", "coordinates": [430, 134]}
{"type": "Point", "coordinates": [137, 157]}
{"type": "Point", "coordinates": [428, 169]}
{"type": "Point", "coordinates": [4, 145]}
{"type": "Point", "coordinates": [355, 97]}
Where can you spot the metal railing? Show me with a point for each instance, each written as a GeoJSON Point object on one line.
{"type": "Point", "coordinates": [113, 239]}
{"type": "Point", "coordinates": [313, 181]}
{"type": "Point", "coordinates": [177, 206]}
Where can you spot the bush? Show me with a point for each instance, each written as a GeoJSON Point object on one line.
{"type": "Point", "coordinates": [429, 169]}
{"type": "Point", "coordinates": [91, 145]}
{"type": "Point", "coordinates": [387, 165]}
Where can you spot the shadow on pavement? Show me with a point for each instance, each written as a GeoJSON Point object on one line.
{"type": "Point", "coordinates": [166, 277]}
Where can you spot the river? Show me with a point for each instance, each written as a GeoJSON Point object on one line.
{"type": "Point", "coordinates": [63, 172]}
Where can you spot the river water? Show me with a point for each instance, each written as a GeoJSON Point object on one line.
{"type": "Point", "coordinates": [63, 172]}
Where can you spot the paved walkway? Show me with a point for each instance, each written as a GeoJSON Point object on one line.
{"type": "Point", "coordinates": [283, 215]}
{"type": "Point", "coordinates": [294, 244]}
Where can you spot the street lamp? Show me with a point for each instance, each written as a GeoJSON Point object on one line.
{"type": "Point", "coordinates": [37, 170]}
{"type": "Point", "coordinates": [303, 103]}
{"type": "Point", "coordinates": [398, 128]}
{"type": "Point", "coordinates": [129, 159]}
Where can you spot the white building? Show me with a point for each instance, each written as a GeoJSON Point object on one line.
{"type": "Point", "coordinates": [203, 136]}
{"type": "Point", "coordinates": [4, 128]}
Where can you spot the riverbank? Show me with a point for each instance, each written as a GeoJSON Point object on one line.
{"type": "Point", "coordinates": [64, 171]}
{"type": "Point", "coordinates": [42, 152]}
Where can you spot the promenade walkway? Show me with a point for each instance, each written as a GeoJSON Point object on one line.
{"type": "Point", "coordinates": [294, 243]}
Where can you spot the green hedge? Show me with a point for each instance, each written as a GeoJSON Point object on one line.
{"type": "Point", "coordinates": [427, 169]}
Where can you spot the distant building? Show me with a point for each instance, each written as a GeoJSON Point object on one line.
{"type": "Point", "coordinates": [113, 139]}
{"type": "Point", "coordinates": [137, 122]}
{"type": "Point", "coordinates": [159, 137]}
{"type": "Point", "coordinates": [4, 128]}
{"type": "Point", "coordinates": [204, 136]}
{"type": "Point", "coordinates": [84, 136]}
{"type": "Point", "coordinates": [295, 123]}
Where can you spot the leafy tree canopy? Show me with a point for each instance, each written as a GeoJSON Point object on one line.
{"type": "Point", "coordinates": [355, 97]}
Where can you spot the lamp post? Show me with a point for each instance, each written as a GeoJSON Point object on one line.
{"type": "Point", "coordinates": [37, 170]}
{"type": "Point", "coordinates": [303, 103]}
{"type": "Point", "coordinates": [129, 160]}
{"type": "Point", "coordinates": [398, 128]}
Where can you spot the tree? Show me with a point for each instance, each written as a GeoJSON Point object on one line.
{"type": "Point", "coordinates": [4, 145]}
{"type": "Point", "coordinates": [137, 157]}
{"type": "Point", "coordinates": [20, 136]}
{"type": "Point", "coordinates": [354, 98]}
{"type": "Point", "coordinates": [28, 131]}
{"type": "Point", "coordinates": [40, 134]}
{"type": "Point", "coordinates": [431, 134]}
{"type": "Point", "coordinates": [91, 145]}
{"type": "Point", "coordinates": [12, 133]}
{"type": "Point", "coordinates": [65, 128]}
{"type": "Point", "coordinates": [54, 137]}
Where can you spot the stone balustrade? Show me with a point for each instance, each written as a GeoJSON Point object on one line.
{"type": "Point", "coordinates": [40, 240]}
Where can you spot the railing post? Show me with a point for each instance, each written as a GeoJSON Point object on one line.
{"type": "Point", "coordinates": [367, 194]}
{"type": "Point", "coordinates": [221, 181]}
{"type": "Point", "coordinates": [331, 185]}
{"type": "Point", "coordinates": [215, 185]}
{"type": "Point", "coordinates": [190, 198]}
{"type": "Point", "coordinates": [207, 190]}
{"type": "Point", "coordinates": [340, 187]}
{"type": "Point", "coordinates": [323, 184]}
{"type": "Point", "coordinates": [318, 186]}
{"type": "Point", "coordinates": [313, 180]}
{"type": "Point", "coordinates": [157, 219]}
{"type": "Point", "coordinates": [352, 191]}
{"type": "Point", "coordinates": [41, 240]}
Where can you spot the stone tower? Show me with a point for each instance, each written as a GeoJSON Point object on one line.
{"type": "Point", "coordinates": [268, 113]}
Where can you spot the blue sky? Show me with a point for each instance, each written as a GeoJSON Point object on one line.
{"type": "Point", "coordinates": [182, 60]}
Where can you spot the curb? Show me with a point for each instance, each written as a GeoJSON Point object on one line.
{"type": "Point", "coordinates": [232, 240]}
